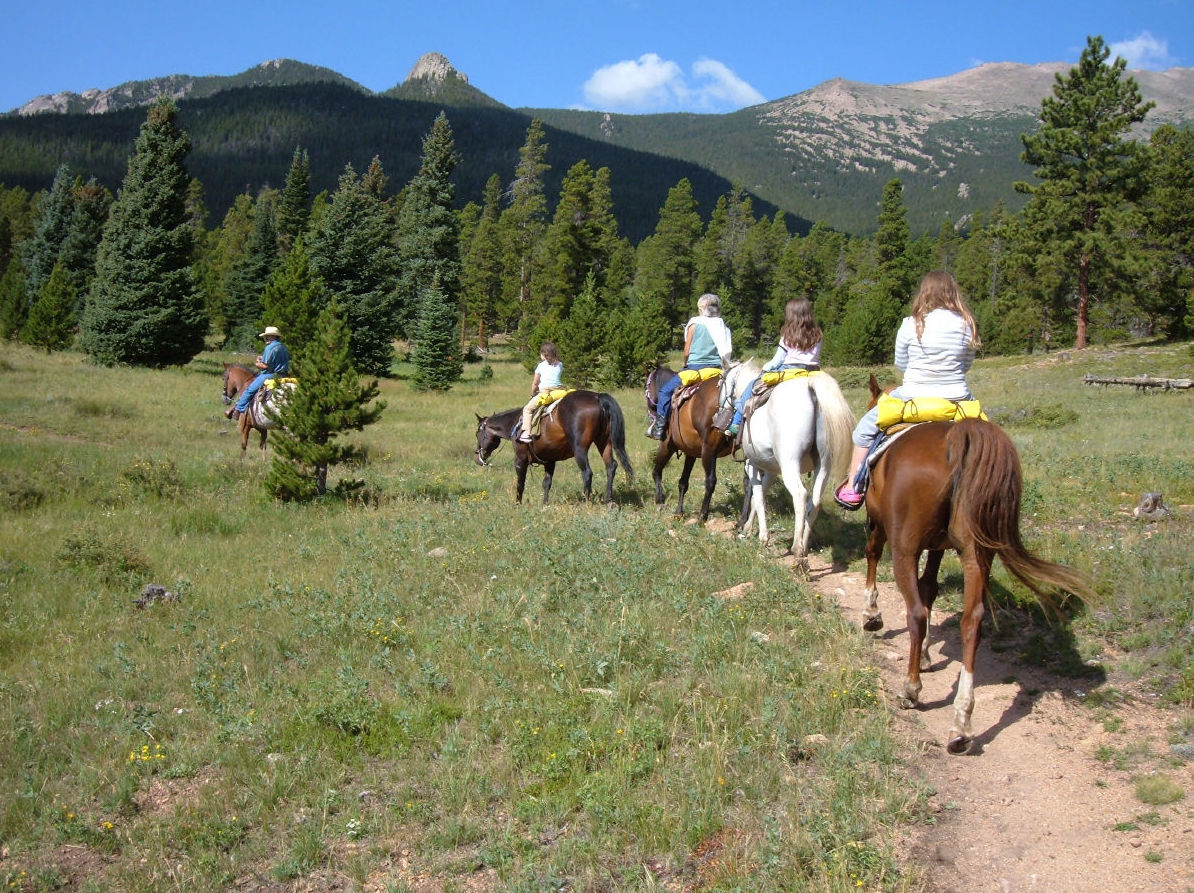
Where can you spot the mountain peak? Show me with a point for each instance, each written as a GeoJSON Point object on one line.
{"type": "Point", "coordinates": [434, 67]}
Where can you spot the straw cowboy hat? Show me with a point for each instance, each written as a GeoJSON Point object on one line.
{"type": "Point", "coordinates": [270, 330]}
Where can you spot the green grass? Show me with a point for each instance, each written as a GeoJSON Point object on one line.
{"type": "Point", "coordinates": [555, 695]}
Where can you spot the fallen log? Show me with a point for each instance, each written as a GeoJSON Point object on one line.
{"type": "Point", "coordinates": [1142, 382]}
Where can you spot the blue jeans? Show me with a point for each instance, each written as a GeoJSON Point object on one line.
{"type": "Point", "coordinates": [668, 390]}
{"type": "Point", "coordinates": [246, 396]}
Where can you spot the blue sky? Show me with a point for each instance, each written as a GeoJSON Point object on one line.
{"type": "Point", "coordinates": [612, 55]}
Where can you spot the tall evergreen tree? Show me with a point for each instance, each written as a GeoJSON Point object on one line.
{"type": "Point", "coordinates": [252, 271]}
{"type": "Point", "coordinates": [293, 297]}
{"type": "Point", "coordinates": [52, 226]}
{"type": "Point", "coordinates": [436, 353]}
{"type": "Point", "coordinates": [51, 322]}
{"type": "Point", "coordinates": [14, 300]}
{"type": "Point", "coordinates": [222, 250]}
{"type": "Point", "coordinates": [81, 246]}
{"type": "Point", "coordinates": [1089, 172]}
{"type": "Point", "coordinates": [294, 206]}
{"type": "Point", "coordinates": [1168, 283]}
{"type": "Point", "coordinates": [482, 269]}
{"type": "Point", "coordinates": [145, 307]}
{"type": "Point", "coordinates": [329, 402]}
{"type": "Point", "coordinates": [428, 229]}
{"type": "Point", "coordinates": [584, 338]}
{"type": "Point", "coordinates": [525, 220]}
{"type": "Point", "coordinates": [352, 251]}
{"type": "Point", "coordinates": [666, 263]}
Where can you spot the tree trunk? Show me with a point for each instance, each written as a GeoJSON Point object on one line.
{"type": "Point", "coordinates": [321, 480]}
{"type": "Point", "coordinates": [1083, 301]}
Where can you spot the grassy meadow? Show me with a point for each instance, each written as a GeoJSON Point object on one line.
{"type": "Point", "coordinates": [434, 688]}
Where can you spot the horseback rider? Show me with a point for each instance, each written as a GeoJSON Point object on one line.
{"type": "Point", "coordinates": [934, 348]}
{"type": "Point", "coordinates": [548, 375]}
{"type": "Point", "coordinates": [707, 344]}
{"type": "Point", "coordinates": [274, 360]}
{"type": "Point", "coordinates": [799, 348]}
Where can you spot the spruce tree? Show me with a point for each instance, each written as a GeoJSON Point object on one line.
{"type": "Point", "coordinates": [292, 299]}
{"type": "Point", "coordinates": [330, 401]}
{"type": "Point", "coordinates": [436, 353]}
{"type": "Point", "coordinates": [52, 225]}
{"type": "Point", "coordinates": [1089, 173]}
{"type": "Point", "coordinates": [14, 300]}
{"type": "Point", "coordinates": [145, 307]}
{"type": "Point", "coordinates": [584, 339]}
{"type": "Point", "coordinates": [78, 253]}
{"type": "Point", "coordinates": [428, 228]}
{"type": "Point", "coordinates": [523, 223]}
{"type": "Point", "coordinates": [1169, 235]}
{"type": "Point", "coordinates": [667, 259]}
{"type": "Point", "coordinates": [352, 251]}
{"type": "Point", "coordinates": [51, 322]}
{"type": "Point", "coordinates": [250, 274]}
{"type": "Point", "coordinates": [482, 269]}
{"type": "Point", "coordinates": [294, 206]}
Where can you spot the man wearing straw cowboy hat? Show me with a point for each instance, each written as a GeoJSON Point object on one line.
{"type": "Point", "coordinates": [274, 360]}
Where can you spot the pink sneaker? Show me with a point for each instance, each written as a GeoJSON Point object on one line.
{"type": "Point", "coordinates": [847, 497]}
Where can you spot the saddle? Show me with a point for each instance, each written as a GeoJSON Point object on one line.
{"type": "Point", "coordinates": [274, 394]}
{"type": "Point", "coordinates": [690, 382]}
{"type": "Point", "coordinates": [765, 384]}
{"type": "Point", "coordinates": [546, 405]}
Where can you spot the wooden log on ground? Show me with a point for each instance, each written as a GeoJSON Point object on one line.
{"type": "Point", "coordinates": [1142, 382]}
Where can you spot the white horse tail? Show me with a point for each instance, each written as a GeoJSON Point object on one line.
{"type": "Point", "coordinates": [836, 420]}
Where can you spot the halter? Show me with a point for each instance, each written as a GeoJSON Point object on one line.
{"type": "Point", "coordinates": [483, 461]}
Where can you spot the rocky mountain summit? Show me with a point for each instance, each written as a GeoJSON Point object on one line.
{"type": "Point", "coordinates": [434, 67]}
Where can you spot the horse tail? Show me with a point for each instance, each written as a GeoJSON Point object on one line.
{"type": "Point", "coordinates": [984, 471]}
{"type": "Point", "coordinates": [836, 421]}
{"type": "Point", "coordinates": [617, 431]}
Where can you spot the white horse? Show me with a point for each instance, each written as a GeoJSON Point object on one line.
{"type": "Point", "coordinates": [804, 427]}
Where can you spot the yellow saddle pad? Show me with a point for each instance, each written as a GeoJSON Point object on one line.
{"type": "Point", "coordinates": [894, 411]}
{"type": "Point", "coordinates": [276, 382]}
{"type": "Point", "coordinates": [771, 379]}
{"type": "Point", "coordinates": [551, 395]}
{"type": "Point", "coordinates": [693, 376]}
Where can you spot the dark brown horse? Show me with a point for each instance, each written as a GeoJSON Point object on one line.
{"type": "Point", "coordinates": [581, 419]}
{"type": "Point", "coordinates": [235, 379]}
{"type": "Point", "coordinates": [689, 431]}
{"type": "Point", "coordinates": [951, 485]}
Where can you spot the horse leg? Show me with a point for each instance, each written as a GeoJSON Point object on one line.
{"type": "Point", "coordinates": [682, 484]}
{"type": "Point", "coordinates": [760, 482]}
{"type": "Point", "coordinates": [872, 617]}
{"type": "Point", "coordinates": [611, 466]}
{"type": "Point", "coordinates": [521, 462]}
{"type": "Point", "coordinates": [549, 470]}
{"type": "Point", "coordinates": [245, 429]}
{"type": "Point", "coordinates": [709, 463]}
{"type": "Point", "coordinates": [747, 517]}
{"type": "Point", "coordinates": [976, 570]}
{"type": "Point", "coordinates": [929, 588]}
{"type": "Point", "coordinates": [904, 565]}
{"type": "Point", "coordinates": [803, 513]}
{"type": "Point", "coordinates": [264, 435]}
{"type": "Point", "coordinates": [662, 455]}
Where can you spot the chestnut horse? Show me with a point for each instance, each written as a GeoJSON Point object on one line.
{"type": "Point", "coordinates": [689, 431]}
{"type": "Point", "coordinates": [235, 379]}
{"type": "Point", "coordinates": [951, 485]}
{"type": "Point", "coordinates": [577, 421]}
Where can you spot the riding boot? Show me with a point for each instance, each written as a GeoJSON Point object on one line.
{"type": "Point", "coordinates": [658, 428]}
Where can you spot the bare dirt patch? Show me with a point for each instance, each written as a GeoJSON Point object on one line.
{"type": "Point", "coordinates": [1032, 807]}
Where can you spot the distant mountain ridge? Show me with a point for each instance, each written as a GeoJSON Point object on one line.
{"type": "Point", "coordinates": [819, 155]}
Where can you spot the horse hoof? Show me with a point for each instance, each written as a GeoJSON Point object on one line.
{"type": "Point", "coordinates": [959, 745]}
{"type": "Point", "coordinates": [872, 624]}
{"type": "Point", "coordinates": [905, 702]}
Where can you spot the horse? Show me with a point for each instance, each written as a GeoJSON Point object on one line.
{"type": "Point", "coordinates": [262, 413]}
{"type": "Point", "coordinates": [803, 427]}
{"type": "Point", "coordinates": [235, 379]}
{"type": "Point", "coordinates": [951, 485]}
{"type": "Point", "coordinates": [578, 420]}
{"type": "Point", "coordinates": [690, 431]}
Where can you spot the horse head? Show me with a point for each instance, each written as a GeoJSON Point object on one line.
{"type": "Point", "coordinates": [735, 380]}
{"type": "Point", "coordinates": [488, 441]}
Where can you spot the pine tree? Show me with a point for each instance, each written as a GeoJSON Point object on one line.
{"type": "Point", "coordinates": [328, 402]}
{"type": "Point", "coordinates": [584, 339]}
{"type": "Point", "coordinates": [14, 300]}
{"type": "Point", "coordinates": [51, 322]}
{"type": "Point", "coordinates": [523, 223]}
{"type": "Point", "coordinates": [1169, 207]}
{"type": "Point", "coordinates": [52, 226]}
{"type": "Point", "coordinates": [352, 251]}
{"type": "Point", "coordinates": [428, 230]}
{"type": "Point", "coordinates": [292, 299]}
{"type": "Point", "coordinates": [436, 353]}
{"type": "Point", "coordinates": [249, 275]}
{"type": "Point", "coordinates": [81, 246]}
{"type": "Point", "coordinates": [145, 307]}
{"type": "Point", "coordinates": [1089, 172]}
{"type": "Point", "coordinates": [482, 270]}
{"type": "Point", "coordinates": [294, 206]}
{"type": "Point", "coordinates": [666, 264]}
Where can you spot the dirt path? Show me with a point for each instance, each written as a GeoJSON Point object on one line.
{"type": "Point", "coordinates": [1031, 807]}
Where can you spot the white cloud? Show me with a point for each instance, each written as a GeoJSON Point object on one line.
{"type": "Point", "coordinates": [653, 84]}
{"type": "Point", "coordinates": [1144, 52]}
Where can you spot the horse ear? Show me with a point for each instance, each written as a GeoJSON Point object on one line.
{"type": "Point", "coordinates": [480, 418]}
{"type": "Point", "coordinates": [875, 389]}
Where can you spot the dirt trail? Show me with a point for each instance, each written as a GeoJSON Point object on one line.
{"type": "Point", "coordinates": [1030, 808]}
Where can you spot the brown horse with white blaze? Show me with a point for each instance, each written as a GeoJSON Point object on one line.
{"type": "Point", "coordinates": [951, 485]}
{"type": "Point", "coordinates": [690, 431]}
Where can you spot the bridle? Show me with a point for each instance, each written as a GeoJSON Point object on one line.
{"type": "Point", "coordinates": [483, 459]}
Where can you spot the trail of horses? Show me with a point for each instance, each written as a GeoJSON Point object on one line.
{"type": "Point", "coordinates": [1031, 808]}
